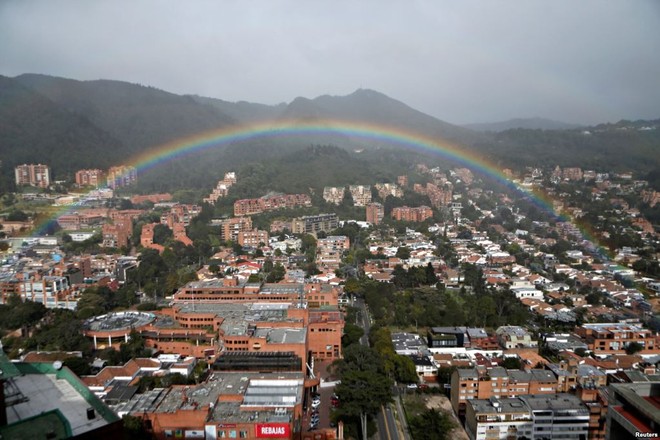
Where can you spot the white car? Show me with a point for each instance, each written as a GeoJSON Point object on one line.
{"type": "Point", "coordinates": [316, 403]}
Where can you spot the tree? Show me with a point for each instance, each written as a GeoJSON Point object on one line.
{"type": "Point", "coordinates": [511, 363]}
{"type": "Point", "coordinates": [78, 365]}
{"type": "Point", "coordinates": [634, 347]}
{"type": "Point", "coordinates": [430, 425]}
{"type": "Point", "coordinates": [352, 334]}
{"type": "Point", "coordinates": [277, 274]}
{"type": "Point", "coordinates": [403, 253]}
{"type": "Point", "coordinates": [134, 428]}
{"type": "Point", "coordinates": [364, 387]}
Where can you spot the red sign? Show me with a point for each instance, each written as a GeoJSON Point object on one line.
{"type": "Point", "coordinates": [273, 430]}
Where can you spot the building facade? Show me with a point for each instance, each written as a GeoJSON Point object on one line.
{"type": "Point", "coordinates": [33, 174]}
{"type": "Point", "coordinates": [92, 177]}
{"type": "Point", "coordinates": [120, 176]}
{"type": "Point", "coordinates": [375, 213]}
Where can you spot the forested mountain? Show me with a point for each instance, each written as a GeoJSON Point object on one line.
{"type": "Point", "coordinates": [35, 129]}
{"type": "Point", "coordinates": [370, 106]}
{"type": "Point", "coordinates": [631, 146]}
{"type": "Point", "coordinates": [243, 111]}
{"type": "Point", "coordinates": [528, 123]}
{"type": "Point", "coordinates": [72, 124]}
{"type": "Point", "coordinates": [141, 117]}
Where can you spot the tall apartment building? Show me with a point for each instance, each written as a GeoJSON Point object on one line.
{"type": "Point", "coordinates": [120, 176]}
{"type": "Point", "coordinates": [92, 177]}
{"type": "Point", "coordinates": [222, 188]}
{"type": "Point", "coordinates": [313, 224]}
{"type": "Point", "coordinates": [270, 203]}
{"type": "Point", "coordinates": [232, 227]}
{"type": "Point", "coordinates": [388, 189]}
{"type": "Point", "coordinates": [334, 194]}
{"type": "Point", "coordinates": [118, 233]}
{"type": "Point", "coordinates": [402, 180]}
{"type": "Point", "coordinates": [480, 383]}
{"type": "Point", "coordinates": [33, 175]}
{"type": "Point", "coordinates": [407, 214]}
{"type": "Point", "coordinates": [329, 251]}
{"type": "Point", "coordinates": [375, 213]}
{"type": "Point", "coordinates": [361, 194]}
{"type": "Point", "coordinates": [252, 238]}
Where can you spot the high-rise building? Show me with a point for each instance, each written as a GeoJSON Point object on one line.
{"type": "Point", "coordinates": [93, 177]}
{"type": "Point", "coordinates": [407, 214]}
{"type": "Point", "coordinates": [33, 175]}
{"type": "Point", "coordinates": [122, 175]}
{"type": "Point", "coordinates": [361, 194]}
{"type": "Point", "coordinates": [312, 224]}
{"type": "Point", "coordinates": [375, 213]}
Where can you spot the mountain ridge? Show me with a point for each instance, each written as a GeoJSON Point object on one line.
{"type": "Point", "coordinates": [535, 123]}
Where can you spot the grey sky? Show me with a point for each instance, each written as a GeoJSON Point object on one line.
{"type": "Point", "coordinates": [581, 61]}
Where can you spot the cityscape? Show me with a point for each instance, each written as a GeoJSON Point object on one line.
{"type": "Point", "coordinates": [180, 263]}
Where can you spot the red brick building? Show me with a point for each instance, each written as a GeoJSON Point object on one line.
{"type": "Point", "coordinates": [407, 214]}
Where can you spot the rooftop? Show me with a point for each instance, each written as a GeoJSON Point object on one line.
{"type": "Point", "coordinates": [493, 406]}
{"type": "Point", "coordinates": [43, 394]}
{"type": "Point", "coordinates": [556, 402]}
{"type": "Point", "coordinates": [119, 321]}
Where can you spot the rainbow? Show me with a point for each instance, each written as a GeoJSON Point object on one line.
{"type": "Point", "coordinates": [379, 133]}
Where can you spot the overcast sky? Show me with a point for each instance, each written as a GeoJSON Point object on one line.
{"type": "Point", "coordinates": [461, 61]}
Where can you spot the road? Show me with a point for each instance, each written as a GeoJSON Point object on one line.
{"type": "Point", "coordinates": [385, 419]}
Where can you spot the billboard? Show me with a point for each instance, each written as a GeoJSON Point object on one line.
{"type": "Point", "coordinates": [273, 430]}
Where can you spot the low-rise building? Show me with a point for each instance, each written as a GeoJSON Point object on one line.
{"type": "Point", "coordinates": [614, 338]}
{"type": "Point", "coordinates": [511, 336]}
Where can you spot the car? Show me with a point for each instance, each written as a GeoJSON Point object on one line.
{"type": "Point", "coordinates": [411, 386]}
{"type": "Point", "coordinates": [315, 419]}
{"type": "Point", "coordinates": [316, 403]}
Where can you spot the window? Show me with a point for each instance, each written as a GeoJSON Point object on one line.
{"type": "Point", "coordinates": [242, 434]}
{"type": "Point", "coordinates": [232, 433]}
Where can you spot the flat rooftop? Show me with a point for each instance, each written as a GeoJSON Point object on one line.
{"type": "Point", "coordinates": [556, 402]}
{"type": "Point", "coordinates": [119, 321]}
{"type": "Point", "coordinates": [277, 390]}
{"type": "Point", "coordinates": [41, 389]}
{"type": "Point", "coordinates": [282, 335]}
{"type": "Point", "coordinates": [237, 318]}
{"type": "Point", "coordinates": [508, 405]}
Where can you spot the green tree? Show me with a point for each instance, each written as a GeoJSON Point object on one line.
{"type": "Point", "coordinates": [277, 274]}
{"type": "Point", "coordinates": [634, 347]}
{"type": "Point", "coordinates": [403, 253]}
{"type": "Point", "coordinates": [511, 363]}
{"type": "Point", "coordinates": [352, 334]}
{"type": "Point", "coordinates": [78, 365]}
{"type": "Point", "coordinates": [430, 425]}
{"type": "Point", "coordinates": [364, 386]}
{"type": "Point", "coordinates": [134, 428]}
